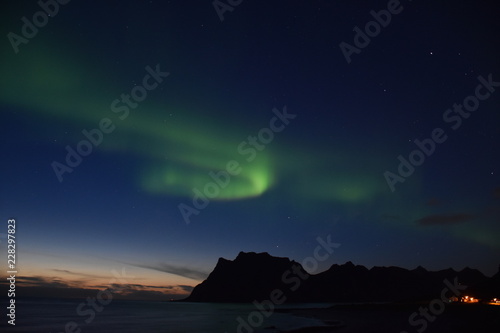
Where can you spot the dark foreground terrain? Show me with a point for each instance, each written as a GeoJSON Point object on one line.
{"type": "Point", "coordinates": [385, 318]}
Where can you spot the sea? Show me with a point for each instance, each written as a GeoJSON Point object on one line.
{"type": "Point", "coordinates": [77, 316]}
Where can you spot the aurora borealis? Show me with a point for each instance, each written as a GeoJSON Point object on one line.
{"type": "Point", "coordinates": [217, 118]}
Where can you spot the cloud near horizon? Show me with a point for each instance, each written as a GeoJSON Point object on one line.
{"type": "Point", "coordinates": [37, 286]}
{"type": "Point", "coordinates": [93, 276]}
{"type": "Point", "coordinates": [176, 270]}
{"type": "Point", "coordinates": [39, 281]}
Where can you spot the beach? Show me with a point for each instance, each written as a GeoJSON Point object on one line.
{"type": "Point", "coordinates": [375, 318]}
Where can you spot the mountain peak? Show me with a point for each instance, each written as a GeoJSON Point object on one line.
{"type": "Point", "coordinates": [254, 276]}
{"type": "Point", "coordinates": [245, 255]}
{"type": "Point", "coordinates": [250, 276]}
{"type": "Point", "coordinates": [420, 269]}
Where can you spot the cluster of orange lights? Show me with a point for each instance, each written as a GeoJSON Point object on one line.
{"type": "Point", "coordinates": [469, 299]}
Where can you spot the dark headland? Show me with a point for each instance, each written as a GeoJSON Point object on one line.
{"type": "Point", "coordinates": [253, 276]}
{"type": "Point", "coordinates": [380, 299]}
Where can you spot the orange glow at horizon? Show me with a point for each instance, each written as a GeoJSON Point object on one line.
{"type": "Point", "coordinates": [43, 271]}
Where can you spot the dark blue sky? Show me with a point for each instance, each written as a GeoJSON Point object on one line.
{"type": "Point", "coordinates": [320, 172]}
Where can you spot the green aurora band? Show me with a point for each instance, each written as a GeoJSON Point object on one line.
{"type": "Point", "coordinates": [179, 147]}
{"type": "Point", "coordinates": [193, 145]}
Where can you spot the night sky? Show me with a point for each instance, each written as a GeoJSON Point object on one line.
{"type": "Point", "coordinates": [301, 115]}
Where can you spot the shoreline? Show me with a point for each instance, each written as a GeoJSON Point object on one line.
{"type": "Point", "coordinates": [393, 317]}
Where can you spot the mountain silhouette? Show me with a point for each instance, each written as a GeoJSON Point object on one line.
{"type": "Point", "coordinates": [250, 276]}
{"type": "Point", "coordinates": [256, 276]}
